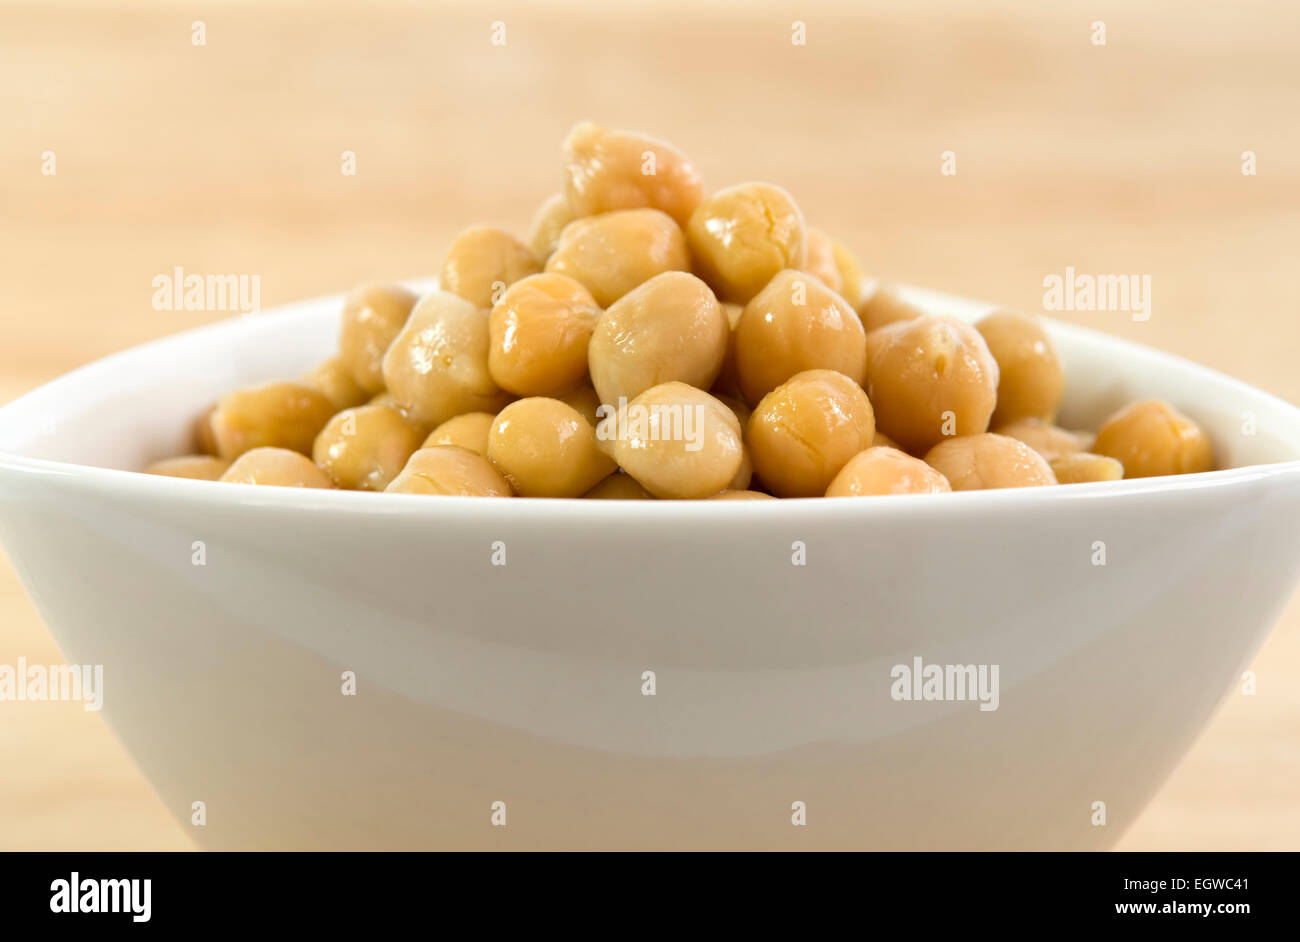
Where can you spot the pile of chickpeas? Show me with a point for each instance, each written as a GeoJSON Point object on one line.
{"type": "Point", "coordinates": [650, 341]}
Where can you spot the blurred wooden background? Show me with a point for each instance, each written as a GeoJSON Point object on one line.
{"type": "Point", "coordinates": [226, 158]}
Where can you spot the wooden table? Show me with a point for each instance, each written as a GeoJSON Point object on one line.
{"type": "Point", "coordinates": [226, 158]}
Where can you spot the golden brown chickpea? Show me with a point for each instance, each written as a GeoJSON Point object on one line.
{"type": "Point", "coordinates": [539, 333]}
{"type": "Point", "coordinates": [819, 259]}
{"type": "Point", "coordinates": [930, 378]}
{"type": "Point", "coordinates": [741, 495]}
{"type": "Point", "coordinates": [276, 467]}
{"type": "Point", "coordinates": [742, 236]}
{"type": "Point", "coordinates": [795, 324]}
{"type": "Point", "coordinates": [468, 431]}
{"type": "Point", "coordinates": [609, 170]}
{"type": "Point", "coordinates": [197, 467]}
{"type": "Point", "coordinates": [852, 280]}
{"type": "Point", "coordinates": [986, 462]}
{"type": "Point", "coordinates": [280, 415]}
{"type": "Point", "coordinates": [804, 431]}
{"type": "Point", "coordinates": [1031, 379]}
{"type": "Point", "coordinates": [1151, 438]}
{"type": "Point", "coordinates": [883, 306]}
{"type": "Point", "coordinates": [335, 381]}
{"type": "Point", "coordinates": [679, 442]}
{"type": "Point", "coordinates": [437, 367]}
{"type": "Point", "coordinates": [205, 442]}
{"type": "Point", "coordinates": [1083, 468]}
{"type": "Point", "coordinates": [613, 253]}
{"type": "Point", "coordinates": [363, 449]}
{"type": "Point", "coordinates": [551, 218]}
{"type": "Point", "coordinates": [618, 486]}
{"type": "Point", "coordinates": [545, 448]}
{"type": "Point", "coordinates": [449, 471]}
{"type": "Point", "coordinates": [881, 440]}
{"type": "Point", "coordinates": [482, 262]}
{"type": "Point", "coordinates": [373, 314]}
{"type": "Point", "coordinates": [670, 328]}
{"type": "Point", "coordinates": [882, 470]}
{"type": "Point", "coordinates": [1050, 441]}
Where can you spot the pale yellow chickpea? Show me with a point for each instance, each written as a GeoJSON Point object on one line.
{"type": "Point", "coordinates": [728, 381]}
{"type": "Point", "coordinates": [335, 381]}
{"type": "Point", "coordinates": [545, 448]}
{"type": "Point", "coordinates": [883, 306]}
{"type": "Point", "coordinates": [853, 281]}
{"type": "Point", "coordinates": [196, 467]}
{"type": "Point", "coordinates": [363, 449]}
{"type": "Point", "coordinates": [551, 218]}
{"type": "Point", "coordinates": [930, 379]}
{"type": "Point", "coordinates": [1031, 381]}
{"type": "Point", "coordinates": [279, 415]}
{"type": "Point", "coordinates": [482, 262]}
{"type": "Point", "coordinates": [1084, 468]}
{"type": "Point", "coordinates": [468, 431]}
{"type": "Point", "coordinates": [741, 495]}
{"type": "Point", "coordinates": [373, 314]}
{"type": "Point", "coordinates": [1151, 438]}
{"type": "Point", "coordinates": [610, 170]}
{"type": "Point", "coordinates": [276, 467]}
{"type": "Point", "coordinates": [745, 473]}
{"type": "Point", "coordinates": [742, 236]}
{"type": "Point", "coordinates": [881, 470]}
{"type": "Point", "coordinates": [613, 253]}
{"type": "Point", "coordinates": [794, 324]}
{"type": "Point", "coordinates": [538, 335]}
{"type": "Point", "coordinates": [449, 471]}
{"type": "Point", "coordinates": [987, 462]}
{"type": "Point", "coordinates": [584, 399]}
{"type": "Point", "coordinates": [803, 432]}
{"type": "Point", "coordinates": [819, 259]}
{"type": "Point", "coordinates": [618, 486]}
{"type": "Point", "coordinates": [679, 442]}
{"type": "Point", "coordinates": [437, 367]}
{"type": "Point", "coordinates": [1050, 441]}
{"type": "Point", "coordinates": [670, 328]}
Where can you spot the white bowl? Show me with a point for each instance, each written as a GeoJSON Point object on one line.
{"type": "Point", "coordinates": [478, 683]}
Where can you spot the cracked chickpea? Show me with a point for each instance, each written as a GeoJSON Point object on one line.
{"type": "Point", "coordinates": [679, 442]}
{"type": "Point", "coordinates": [1151, 438]}
{"type": "Point", "coordinates": [373, 314]}
{"type": "Point", "coordinates": [545, 448]}
{"type": "Point", "coordinates": [608, 170]}
{"type": "Point", "coordinates": [1030, 379]}
{"type": "Point", "coordinates": [742, 236]}
{"type": "Point", "coordinates": [987, 462]}
{"type": "Point", "coordinates": [280, 415]}
{"type": "Point", "coordinates": [615, 252]}
{"type": "Point", "coordinates": [276, 467]}
{"type": "Point", "coordinates": [482, 262]}
{"type": "Point", "coordinates": [538, 335]}
{"type": "Point", "coordinates": [363, 449]}
{"type": "Point", "coordinates": [449, 471]}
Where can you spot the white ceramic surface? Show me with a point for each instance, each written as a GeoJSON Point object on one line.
{"type": "Point", "coordinates": [522, 683]}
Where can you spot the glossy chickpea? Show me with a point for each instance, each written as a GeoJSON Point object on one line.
{"type": "Point", "coordinates": [1151, 438]}
{"type": "Point", "coordinates": [819, 259]}
{"type": "Point", "coordinates": [279, 415]}
{"type": "Point", "coordinates": [679, 442]}
{"type": "Point", "coordinates": [584, 399]}
{"type": "Point", "coordinates": [611, 170]}
{"type": "Point", "coordinates": [335, 381]}
{"type": "Point", "coordinates": [538, 335]}
{"type": "Point", "coordinates": [853, 282]}
{"type": "Point", "coordinates": [1084, 468]}
{"type": "Point", "coordinates": [613, 253]}
{"type": "Point", "coordinates": [727, 382]}
{"type": "Point", "coordinates": [437, 367]}
{"type": "Point", "coordinates": [276, 467]}
{"type": "Point", "coordinates": [987, 462]}
{"type": "Point", "coordinates": [363, 449]}
{"type": "Point", "coordinates": [803, 432]}
{"type": "Point", "coordinates": [618, 486]}
{"type": "Point", "coordinates": [469, 431]}
{"type": "Point", "coordinates": [881, 470]}
{"type": "Point", "coordinates": [930, 378]}
{"type": "Point", "coordinates": [883, 306]}
{"type": "Point", "coordinates": [551, 218]}
{"type": "Point", "coordinates": [1031, 381]}
{"type": "Point", "coordinates": [670, 328]}
{"type": "Point", "coordinates": [545, 448]}
{"type": "Point", "coordinates": [196, 467]}
{"type": "Point", "coordinates": [1050, 441]}
{"type": "Point", "coordinates": [741, 495]}
{"type": "Point", "coordinates": [373, 314]}
{"type": "Point", "coordinates": [742, 236]}
{"type": "Point", "coordinates": [795, 324]}
{"type": "Point", "coordinates": [482, 262]}
{"type": "Point", "coordinates": [449, 471]}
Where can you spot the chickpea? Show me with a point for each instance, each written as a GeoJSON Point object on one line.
{"type": "Point", "coordinates": [205, 442]}
{"type": "Point", "coordinates": [468, 431]}
{"type": "Point", "coordinates": [741, 495]}
{"type": "Point", "coordinates": [728, 381]}
{"type": "Point", "coordinates": [679, 442]}
{"type": "Point", "coordinates": [738, 406]}
{"type": "Point", "coordinates": [930, 378]}
{"type": "Point", "coordinates": [618, 486]}
{"type": "Point", "coordinates": [449, 471]}
{"type": "Point", "coordinates": [986, 461]}
{"type": "Point", "coordinates": [538, 335]}
{"type": "Point", "coordinates": [883, 306]}
{"type": "Point", "coordinates": [795, 324]}
{"type": "Point", "coordinates": [742, 236]}
{"type": "Point", "coordinates": [281, 415]}
{"type": "Point", "coordinates": [611, 170]}
{"type": "Point", "coordinates": [335, 381]}
{"type": "Point", "coordinates": [584, 399]}
{"type": "Point", "coordinates": [883, 470]}
{"type": "Point", "coordinates": [882, 440]}
{"type": "Point", "coordinates": [819, 259]}
{"type": "Point", "coordinates": [670, 328]}
{"type": "Point", "coordinates": [1151, 438]}
{"type": "Point", "coordinates": [197, 467]}
{"type": "Point", "coordinates": [804, 431]}
{"type": "Point", "coordinates": [373, 314]}
{"type": "Point", "coordinates": [365, 448]}
{"type": "Point", "coordinates": [482, 262]}
{"type": "Point", "coordinates": [745, 473]}
{"type": "Point", "coordinates": [1050, 441]}
{"type": "Point", "coordinates": [1083, 468]}
{"type": "Point", "coordinates": [613, 253]}
{"type": "Point", "coordinates": [437, 367]}
{"type": "Point", "coordinates": [1031, 381]}
{"type": "Point", "coordinates": [545, 448]}
{"type": "Point", "coordinates": [544, 234]}
{"type": "Point", "coordinates": [852, 280]}
{"type": "Point", "coordinates": [277, 467]}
